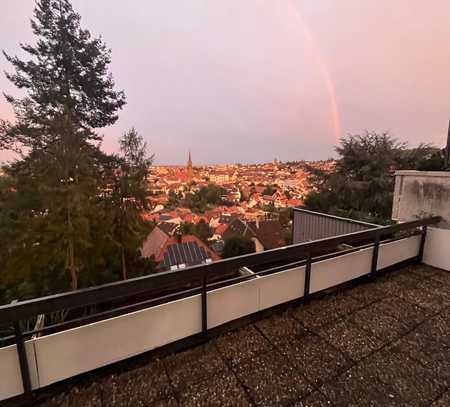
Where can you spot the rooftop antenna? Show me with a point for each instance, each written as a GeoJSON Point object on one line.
{"type": "Point", "coordinates": [447, 149]}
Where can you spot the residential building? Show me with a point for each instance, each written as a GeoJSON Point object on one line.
{"type": "Point", "coordinates": [180, 252]}
{"type": "Point", "coordinates": [154, 243]}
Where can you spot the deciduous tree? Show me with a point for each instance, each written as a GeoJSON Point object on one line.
{"type": "Point", "coordinates": [237, 246]}
{"type": "Point", "coordinates": [362, 182]}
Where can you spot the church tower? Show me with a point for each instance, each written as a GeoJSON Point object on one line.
{"type": "Point", "coordinates": [189, 169]}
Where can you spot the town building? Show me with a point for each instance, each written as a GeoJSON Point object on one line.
{"type": "Point", "coordinates": [183, 251]}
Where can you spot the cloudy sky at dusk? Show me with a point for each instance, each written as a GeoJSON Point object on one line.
{"type": "Point", "coordinates": [251, 80]}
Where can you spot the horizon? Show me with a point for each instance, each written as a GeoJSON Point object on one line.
{"type": "Point", "coordinates": [286, 81]}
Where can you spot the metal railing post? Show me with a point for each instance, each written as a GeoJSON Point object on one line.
{"type": "Point", "coordinates": [422, 243]}
{"type": "Point", "coordinates": [307, 277]}
{"type": "Point", "coordinates": [376, 247]}
{"type": "Point", "coordinates": [23, 362]}
{"type": "Point", "coordinates": [204, 307]}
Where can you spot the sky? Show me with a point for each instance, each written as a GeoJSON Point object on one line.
{"type": "Point", "coordinates": [243, 81]}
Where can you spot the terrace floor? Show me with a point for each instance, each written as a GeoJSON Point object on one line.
{"type": "Point", "coordinates": [382, 343]}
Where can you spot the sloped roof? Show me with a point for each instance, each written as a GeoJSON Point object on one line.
{"type": "Point", "coordinates": [187, 249]}
{"type": "Point", "coordinates": [236, 228]}
{"type": "Point", "coordinates": [168, 228]}
{"type": "Point", "coordinates": [154, 242]}
{"type": "Point", "coordinates": [268, 232]}
{"type": "Point", "coordinates": [220, 230]}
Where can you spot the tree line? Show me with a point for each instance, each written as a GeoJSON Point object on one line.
{"type": "Point", "coordinates": [70, 214]}
{"type": "Point", "coordinates": [361, 185]}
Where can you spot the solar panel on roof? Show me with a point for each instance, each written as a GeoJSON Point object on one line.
{"type": "Point", "coordinates": [189, 253]}
{"type": "Point", "coordinates": [167, 261]}
{"type": "Point", "coordinates": [192, 252]}
{"type": "Point", "coordinates": [187, 249]}
{"type": "Point", "coordinates": [198, 253]}
{"type": "Point", "coordinates": [203, 253]}
{"type": "Point", "coordinates": [172, 255]}
{"type": "Point", "coordinates": [176, 251]}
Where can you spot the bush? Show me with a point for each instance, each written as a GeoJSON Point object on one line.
{"type": "Point", "coordinates": [237, 246]}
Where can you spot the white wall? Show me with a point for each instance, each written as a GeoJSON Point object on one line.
{"type": "Point", "coordinates": [437, 248]}
{"type": "Point", "coordinates": [422, 193]}
{"type": "Point", "coordinates": [56, 357]}
{"type": "Point", "coordinates": [425, 193]}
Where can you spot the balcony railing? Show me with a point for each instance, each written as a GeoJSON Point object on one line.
{"type": "Point", "coordinates": [38, 358]}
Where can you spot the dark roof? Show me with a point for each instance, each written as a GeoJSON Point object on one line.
{"type": "Point", "coordinates": [184, 253]}
{"type": "Point", "coordinates": [165, 217]}
{"type": "Point", "coordinates": [187, 250]}
{"type": "Point", "coordinates": [268, 232]}
{"type": "Point", "coordinates": [168, 228]}
{"type": "Point", "coordinates": [228, 218]}
{"type": "Point", "coordinates": [236, 227]}
{"type": "Point", "coordinates": [382, 343]}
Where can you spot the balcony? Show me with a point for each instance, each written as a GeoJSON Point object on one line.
{"type": "Point", "coordinates": [380, 343]}
{"type": "Point", "coordinates": [367, 325]}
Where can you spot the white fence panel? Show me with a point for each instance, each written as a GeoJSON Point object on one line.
{"type": "Point", "coordinates": [232, 302]}
{"type": "Point", "coordinates": [10, 377]}
{"type": "Point", "coordinates": [85, 348]}
{"type": "Point", "coordinates": [437, 248]}
{"type": "Point", "coordinates": [281, 287]}
{"type": "Point", "coordinates": [331, 272]}
{"type": "Point", "coordinates": [398, 251]}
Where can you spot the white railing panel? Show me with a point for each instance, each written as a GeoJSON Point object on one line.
{"type": "Point", "coordinates": [10, 376]}
{"type": "Point", "coordinates": [232, 302]}
{"type": "Point", "coordinates": [437, 248]}
{"type": "Point", "coordinates": [88, 347]}
{"type": "Point", "coordinates": [281, 287]}
{"type": "Point", "coordinates": [332, 272]}
{"type": "Point", "coordinates": [398, 251]}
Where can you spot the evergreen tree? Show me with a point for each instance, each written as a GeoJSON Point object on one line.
{"type": "Point", "coordinates": [129, 196]}
{"type": "Point", "coordinates": [69, 93]}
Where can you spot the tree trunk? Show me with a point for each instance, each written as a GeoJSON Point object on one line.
{"type": "Point", "coordinates": [124, 265]}
{"type": "Point", "coordinates": [70, 257]}
{"type": "Point", "coordinates": [70, 266]}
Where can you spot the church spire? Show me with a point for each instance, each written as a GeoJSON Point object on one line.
{"type": "Point", "coordinates": [189, 169]}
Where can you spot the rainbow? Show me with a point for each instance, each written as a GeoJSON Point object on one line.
{"type": "Point", "coordinates": [324, 72]}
